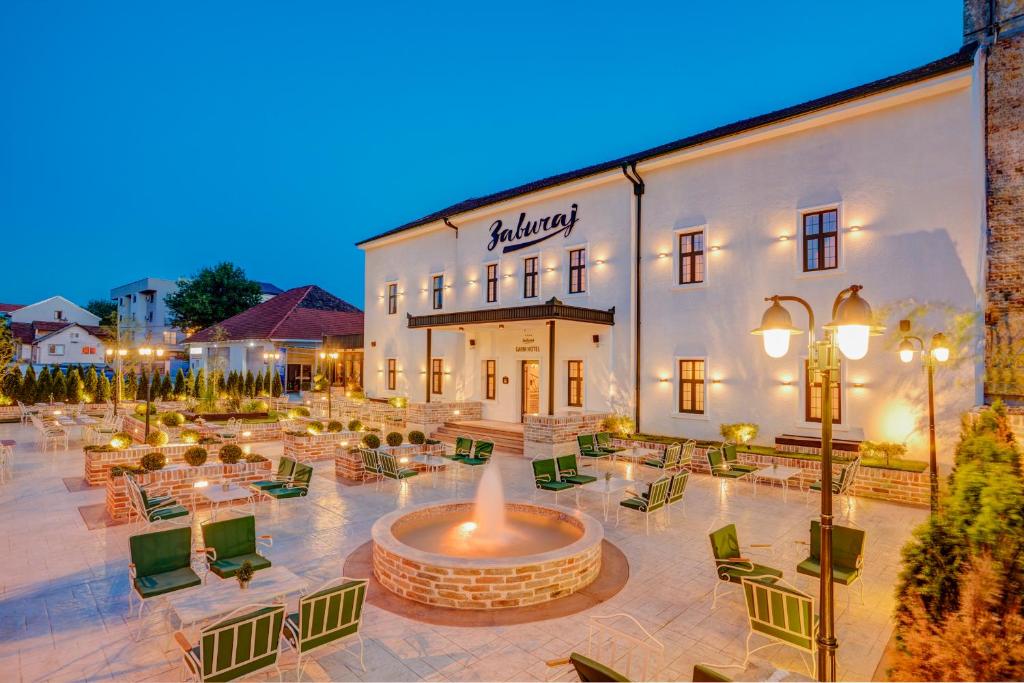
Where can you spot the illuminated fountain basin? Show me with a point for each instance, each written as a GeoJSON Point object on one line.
{"type": "Point", "coordinates": [486, 554]}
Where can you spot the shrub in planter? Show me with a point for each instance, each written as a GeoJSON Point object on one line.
{"type": "Point", "coordinates": [315, 427]}
{"type": "Point", "coordinates": [195, 456]}
{"type": "Point", "coordinates": [298, 411]}
{"type": "Point", "coordinates": [190, 436]}
{"type": "Point", "coordinates": [255, 457]}
{"type": "Point", "coordinates": [153, 461]}
{"type": "Point", "coordinates": [883, 450]}
{"type": "Point", "coordinates": [295, 432]}
{"type": "Point", "coordinates": [255, 407]}
{"type": "Point", "coordinates": [121, 470]}
{"type": "Point", "coordinates": [121, 440]}
{"type": "Point", "coordinates": [417, 437]}
{"type": "Point", "coordinates": [208, 440]}
{"type": "Point", "coordinates": [230, 454]}
{"type": "Point", "coordinates": [355, 426]}
{"type": "Point", "coordinates": [157, 437]}
{"type": "Point", "coordinates": [99, 448]}
{"type": "Point", "coordinates": [738, 432]}
{"type": "Point", "coordinates": [335, 426]}
{"type": "Point", "coordinates": [141, 409]}
{"type": "Point", "coordinates": [172, 419]}
{"type": "Point", "coordinates": [371, 441]}
{"type": "Point", "coordinates": [619, 424]}
{"type": "Point", "coordinates": [394, 439]}
{"type": "Point", "coordinates": [398, 401]}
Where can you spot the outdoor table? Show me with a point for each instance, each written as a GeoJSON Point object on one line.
{"type": "Point", "coordinates": [780, 474]}
{"type": "Point", "coordinates": [221, 597]}
{"type": "Point", "coordinates": [637, 455]}
{"type": "Point", "coordinates": [217, 494]}
{"type": "Point", "coordinates": [433, 463]}
{"type": "Point", "coordinates": [606, 487]}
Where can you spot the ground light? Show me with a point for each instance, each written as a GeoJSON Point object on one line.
{"type": "Point", "coordinates": [849, 332]}
{"type": "Point", "coordinates": [938, 353]}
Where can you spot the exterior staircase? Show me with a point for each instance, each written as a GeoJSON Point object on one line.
{"type": "Point", "coordinates": [508, 440]}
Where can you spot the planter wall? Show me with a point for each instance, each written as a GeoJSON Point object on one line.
{"type": "Point", "coordinates": [97, 464]}
{"type": "Point", "coordinates": [349, 465]}
{"type": "Point", "coordinates": [310, 447]}
{"type": "Point", "coordinates": [545, 436]}
{"type": "Point", "coordinates": [180, 480]}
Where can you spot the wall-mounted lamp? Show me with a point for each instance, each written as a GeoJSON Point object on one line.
{"type": "Point", "coordinates": [599, 262]}
{"type": "Point", "coordinates": [858, 385]}
{"type": "Point", "coordinates": [787, 381]}
{"type": "Point", "coordinates": [663, 380]}
{"type": "Point", "coordinates": [716, 380]}
{"type": "Point", "coordinates": [373, 344]}
{"type": "Point", "coordinates": [472, 343]}
{"type": "Point", "coordinates": [716, 248]}
{"type": "Point", "coordinates": [549, 269]}
{"type": "Point", "coordinates": [855, 228]}
{"type": "Point", "coordinates": [597, 340]}
{"type": "Point", "coordinates": [783, 238]}
{"type": "Point", "coordinates": [507, 276]}
{"type": "Point", "coordinates": [663, 254]}
{"type": "Point", "coordinates": [470, 282]}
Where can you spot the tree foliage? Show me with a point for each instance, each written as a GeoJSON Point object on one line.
{"type": "Point", "coordinates": [103, 309]}
{"type": "Point", "coordinates": [212, 295]}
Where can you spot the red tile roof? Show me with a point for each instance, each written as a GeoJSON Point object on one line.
{"type": "Point", "coordinates": [7, 308]}
{"type": "Point", "coordinates": [27, 333]}
{"type": "Point", "coordinates": [306, 312]}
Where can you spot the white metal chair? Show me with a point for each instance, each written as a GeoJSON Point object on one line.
{"type": "Point", "coordinates": [330, 614]}
{"type": "Point", "coordinates": [783, 615]}
{"type": "Point", "coordinates": [619, 642]}
{"type": "Point", "coordinates": [252, 635]}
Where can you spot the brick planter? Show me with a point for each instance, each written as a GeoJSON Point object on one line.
{"type": "Point", "coordinates": [349, 464]}
{"type": "Point", "coordinates": [179, 481]}
{"type": "Point", "coordinates": [898, 486]}
{"type": "Point", "coordinates": [427, 417]}
{"type": "Point", "coordinates": [551, 435]}
{"type": "Point", "coordinates": [317, 446]}
{"type": "Point", "coordinates": [247, 433]}
{"type": "Point", "coordinates": [482, 583]}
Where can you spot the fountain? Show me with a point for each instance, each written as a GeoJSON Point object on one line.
{"type": "Point", "coordinates": [487, 553]}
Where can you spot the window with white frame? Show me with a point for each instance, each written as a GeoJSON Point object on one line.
{"type": "Point", "coordinates": [691, 257]}
{"type": "Point", "coordinates": [691, 386]}
{"type": "Point", "coordinates": [55, 349]}
{"type": "Point", "coordinates": [577, 271]}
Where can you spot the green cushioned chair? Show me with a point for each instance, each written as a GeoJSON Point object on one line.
{"type": "Point", "coordinates": [842, 483]}
{"type": "Point", "coordinates": [230, 542]}
{"type": "Point", "coordinates": [285, 469]}
{"type": "Point", "coordinates": [161, 563]}
{"type": "Point", "coordinates": [720, 468]}
{"type": "Point", "coordinates": [669, 459]}
{"type": "Point", "coordinates": [244, 643]}
{"type": "Point", "coordinates": [702, 673]}
{"type": "Point", "coordinates": [783, 615]}
{"type": "Point", "coordinates": [463, 448]}
{"type": "Point", "coordinates": [729, 451]}
{"type": "Point", "coordinates": [730, 565]}
{"type": "Point", "coordinates": [592, 671]}
{"type": "Point", "coordinates": [371, 464]}
{"type": "Point", "coordinates": [297, 487]}
{"type": "Point", "coordinates": [545, 477]}
{"type": "Point", "coordinates": [482, 451]}
{"type": "Point", "coordinates": [390, 468]}
{"type": "Point", "coordinates": [654, 499]}
{"type": "Point", "coordinates": [676, 490]}
{"type": "Point", "coordinates": [568, 470]}
{"type": "Point", "coordinates": [330, 614]}
{"type": "Point", "coordinates": [151, 510]}
{"type": "Point", "coordinates": [588, 447]}
{"type": "Point", "coordinates": [847, 556]}
{"type": "Point", "coordinates": [603, 441]}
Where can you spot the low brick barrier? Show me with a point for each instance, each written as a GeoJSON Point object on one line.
{"type": "Point", "coordinates": [258, 432]}
{"type": "Point", "coordinates": [179, 481]}
{"type": "Point", "coordinates": [545, 436]}
{"type": "Point", "coordinates": [348, 464]}
{"type": "Point", "coordinates": [310, 447]}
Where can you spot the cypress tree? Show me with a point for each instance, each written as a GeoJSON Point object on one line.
{"type": "Point", "coordinates": [166, 389]}
{"type": "Point", "coordinates": [58, 387]}
{"type": "Point", "coordinates": [263, 383]}
{"type": "Point", "coordinates": [11, 389]}
{"type": "Point", "coordinates": [142, 388]}
{"type": "Point", "coordinates": [43, 388]}
{"type": "Point", "coordinates": [199, 384]}
{"type": "Point", "coordinates": [179, 384]}
{"type": "Point", "coordinates": [129, 386]}
{"type": "Point", "coordinates": [250, 384]}
{"type": "Point", "coordinates": [90, 383]}
{"type": "Point", "coordinates": [74, 386]}
{"type": "Point", "coordinates": [221, 383]}
{"type": "Point", "coordinates": [28, 386]}
{"type": "Point", "coordinates": [103, 391]}
{"type": "Point", "coordinates": [275, 388]}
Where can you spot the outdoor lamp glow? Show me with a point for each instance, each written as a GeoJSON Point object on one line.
{"type": "Point", "coordinates": [776, 328]}
{"type": "Point", "coordinates": [940, 348]}
{"type": "Point", "coordinates": [122, 352]}
{"type": "Point", "coordinates": [853, 326]}
{"type": "Point", "coordinates": [906, 351]}
{"type": "Point", "coordinates": [145, 351]}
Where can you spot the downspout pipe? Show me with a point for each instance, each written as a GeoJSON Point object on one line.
{"type": "Point", "coordinates": [452, 226]}
{"type": "Point", "coordinates": [629, 170]}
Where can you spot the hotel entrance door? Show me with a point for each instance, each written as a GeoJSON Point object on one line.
{"type": "Point", "coordinates": [529, 387]}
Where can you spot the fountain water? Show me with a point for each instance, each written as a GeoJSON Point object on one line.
{"type": "Point", "coordinates": [489, 507]}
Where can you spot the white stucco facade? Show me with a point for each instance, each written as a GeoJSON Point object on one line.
{"type": "Point", "coordinates": [54, 309]}
{"type": "Point", "coordinates": [903, 171]}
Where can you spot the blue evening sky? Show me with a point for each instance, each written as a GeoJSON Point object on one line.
{"type": "Point", "coordinates": [152, 138]}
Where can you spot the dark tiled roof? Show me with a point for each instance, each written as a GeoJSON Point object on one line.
{"type": "Point", "coordinates": [958, 60]}
{"type": "Point", "coordinates": [28, 333]}
{"type": "Point", "coordinates": [302, 313]}
{"type": "Point", "coordinates": [270, 288]}
{"type": "Point", "coordinates": [7, 308]}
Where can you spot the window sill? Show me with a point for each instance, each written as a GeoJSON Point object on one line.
{"type": "Point", "coordinates": [698, 417]}
{"type": "Point", "coordinates": [692, 286]}
{"type": "Point", "coordinates": [816, 274]}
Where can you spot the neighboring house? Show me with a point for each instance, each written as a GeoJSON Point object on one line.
{"type": "Point", "coordinates": [55, 309]}
{"type": "Point", "coordinates": [268, 291]}
{"type": "Point", "coordinates": [143, 312]}
{"type": "Point", "coordinates": [44, 342]}
{"type": "Point", "coordinates": [292, 324]}
{"type": "Point", "coordinates": [7, 309]}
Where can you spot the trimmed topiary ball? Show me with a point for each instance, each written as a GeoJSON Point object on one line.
{"type": "Point", "coordinates": [157, 437]}
{"type": "Point", "coordinates": [195, 456]}
{"type": "Point", "coordinates": [172, 419]}
{"type": "Point", "coordinates": [298, 411]}
{"type": "Point", "coordinates": [371, 441]}
{"type": "Point", "coordinates": [153, 461]}
{"type": "Point", "coordinates": [140, 409]}
{"type": "Point", "coordinates": [255, 457]}
{"type": "Point", "coordinates": [190, 436]}
{"type": "Point", "coordinates": [230, 454]}
{"type": "Point", "coordinates": [394, 439]}
{"type": "Point", "coordinates": [417, 437]}
{"type": "Point", "coordinates": [121, 440]}
{"type": "Point", "coordinates": [335, 426]}
{"type": "Point", "coordinates": [355, 426]}
{"type": "Point", "coordinates": [315, 427]}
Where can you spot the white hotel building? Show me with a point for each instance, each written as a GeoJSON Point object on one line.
{"type": "Point", "coordinates": [637, 283]}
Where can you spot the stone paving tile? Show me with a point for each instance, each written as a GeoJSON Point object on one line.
{"type": "Point", "coordinates": [64, 589]}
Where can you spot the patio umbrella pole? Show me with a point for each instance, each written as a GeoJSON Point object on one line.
{"type": "Point", "coordinates": [827, 642]}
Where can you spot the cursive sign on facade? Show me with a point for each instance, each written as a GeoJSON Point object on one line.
{"type": "Point", "coordinates": [539, 230]}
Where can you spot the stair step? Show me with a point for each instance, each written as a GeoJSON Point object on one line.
{"type": "Point", "coordinates": [507, 441]}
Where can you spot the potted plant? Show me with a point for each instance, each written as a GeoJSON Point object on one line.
{"type": "Point", "coordinates": [244, 574]}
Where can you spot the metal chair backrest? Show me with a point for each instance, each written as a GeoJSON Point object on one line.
{"type": "Point", "coordinates": [245, 641]}
{"type": "Point", "coordinates": [567, 465]}
{"type": "Point", "coordinates": [135, 499]}
{"type": "Point", "coordinates": [686, 455]}
{"type": "Point", "coordinates": [483, 449]}
{"type": "Point", "coordinates": [333, 611]}
{"type": "Point", "coordinates": [678, 487]}
{"type": "Point", "coordinates": [388, 465]}
{"type": "Point", "coordinates": [463, 446]}
{"type": "Point", "coordinates": [585, 442]}
{"type": "Point", "coordinates": [672, 453]}
{"type": "Point", "coordinates": [657, 493]}
{"type": "Point", "coordinates": [619, 642]}
{"type": "Point", "coordinates": [781, 613]}
{"type": "Point", "coordinates": [544, 471]}
{"type": "Point", "coordinates": [371, 462]}
{"type": "Point", "coordinates": [715, 459]}
{"type": "Point", "coordinates": [157, 552]}
{"type": "Point", "coordinates": [285, 468]}
{"type": "Point", "coordinates": [847, 545]}
{"type": "Point", "coordinates": [725, 544]}
{"type": "Point", "coordinates": [303, 475]}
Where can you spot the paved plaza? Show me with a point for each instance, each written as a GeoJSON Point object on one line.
{"type": "Point", "coordinates": [64, 612]}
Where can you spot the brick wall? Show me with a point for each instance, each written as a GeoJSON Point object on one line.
{"type": "Point", "coordinates": [348, 464]}
{"type": "Point", "coordinates": [429, 416]}
{"type": "Point", "coordinates": [179, 482]}
{"type": "Point", "coordinates": [551, 435]}
{"type": "Point", "coordinates": [1004, 312]}
{"type": "Point", "coordinates": [317, 446]}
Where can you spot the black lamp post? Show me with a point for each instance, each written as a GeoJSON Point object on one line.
{"type": "Point", "coordinates": [149, 352]}
{"type": "Point", "coordinates": [938, 353]}
{"type": "Point", "coordinates": [849, 333]}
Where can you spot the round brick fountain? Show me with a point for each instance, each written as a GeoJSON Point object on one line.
{"type": "Point", "coordinates": [454, 555]}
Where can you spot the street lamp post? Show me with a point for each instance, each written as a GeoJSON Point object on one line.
{"type": "Point", "coordinates": [333, 355]}
{"type": "Point", "coordinates": [149, 353]}
{"type": "Point", "coordinates": [848, 332]}
{"type": "Point", "coordinates": [938, 353]}
{"type": "Point", "coordinates": [118, 372]}
{"type": "Point", "coordinates": [271, 360]}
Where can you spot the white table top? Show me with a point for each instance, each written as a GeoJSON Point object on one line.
{"type": "Point", "coordinates": [220, 597]}
{"type": "Point", "coordinates": [777, 472]}
{"type": "Point", "coordinates": [613, 485]}
{"type": "Point", "coordinates": [638, 453]}
{"type": "Point", "coordinates": [216, 494]}
{"type": "Point", "coordinates": [427, 459]}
